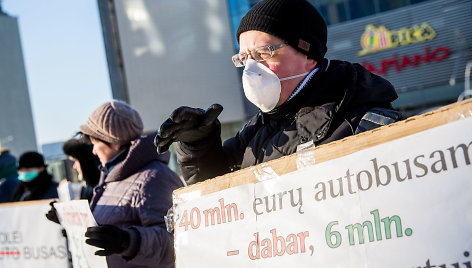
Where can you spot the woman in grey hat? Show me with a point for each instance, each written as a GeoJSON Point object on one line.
{"type": "Point", "coordinates": [134, 191]}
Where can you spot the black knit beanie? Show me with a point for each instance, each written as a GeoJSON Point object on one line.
{"type": "Point", "coordinates": [295, 21]}
{"type": "Point", "coordinates": [31, 160]}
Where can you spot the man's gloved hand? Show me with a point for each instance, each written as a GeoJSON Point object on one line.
{"type": "Point", "coordinates": [187, 125]}
{"type": "Point", "coordinates": [111, 238]}
{"type": "Point", "coordinates": [52, 214]}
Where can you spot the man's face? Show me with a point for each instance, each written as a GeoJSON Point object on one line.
{"type": "Point", "coordinates": [285, 62]}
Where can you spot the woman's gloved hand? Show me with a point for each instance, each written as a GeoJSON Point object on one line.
{"type": "Point", "coordinates": [111, 239]}
{"type": "Point", "coordinates": [187, 124]}
{"type": "Point", "coordinates": [52, 214]}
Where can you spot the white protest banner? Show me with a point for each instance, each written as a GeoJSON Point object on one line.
{"type": "Point", "coordinates": [28, 238]}
{"type": "Point", "coordinates": [75, 216]}
{"type": "Point", "coordinates": [200, 223]}
{"type": "Point", "coordinates": [403, 203]}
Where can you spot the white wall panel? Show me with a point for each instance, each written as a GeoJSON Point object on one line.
{"type": "Point", "coordinates": [178, 52]}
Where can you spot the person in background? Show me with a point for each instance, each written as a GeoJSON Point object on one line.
{"type": "Point", "coordinates": [85, 163]}
{"type": "Point", "coordinates": [134, 192]}
{"type": "Point", "coordinates": [302, 96]}
{"type": "Point", "coordinates": [8, 175]}
{"type": "Point", "coordinates": [35, 182]}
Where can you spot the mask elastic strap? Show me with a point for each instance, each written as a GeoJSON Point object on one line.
{"type": "Point", "coordinates": [295, 76]}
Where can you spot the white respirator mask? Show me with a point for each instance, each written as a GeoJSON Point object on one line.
{"type": "Point", "coordinates": [262, 86]}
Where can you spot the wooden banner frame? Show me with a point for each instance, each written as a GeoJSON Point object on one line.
{"type": "Point", "coordinates": [343, 147]}
{"type": "Point", "coordinates": [27, 203]}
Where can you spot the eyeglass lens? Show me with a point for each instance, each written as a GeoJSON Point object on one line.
{"type": "Point", "coordinates": [258, 54]}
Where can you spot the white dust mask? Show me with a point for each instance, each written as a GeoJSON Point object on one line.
{"type": "Point", "coordinates": [262, 86]}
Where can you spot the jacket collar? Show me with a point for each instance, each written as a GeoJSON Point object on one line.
{"type": "Point", "coordinates": [141, 152]}
{"type": "Point", "coordinates": [115, 160]}
{"type": "Point", "coordinates": [292, 106]}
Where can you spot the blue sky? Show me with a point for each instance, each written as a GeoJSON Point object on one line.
{"type": "Point", "coordinates": [65, 63]}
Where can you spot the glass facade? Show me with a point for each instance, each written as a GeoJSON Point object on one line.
{"type": "Point", "coordinates": [237, 9]}
{"type": "Point", "coordinates": [337, 11]}
{"type": "Point", "coordinates": [333, 11]}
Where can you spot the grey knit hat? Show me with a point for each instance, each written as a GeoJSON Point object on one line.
{"type": "Point", "coordinates": [114, 122]}
{"type": "Point", "coordinates": [296, 22]}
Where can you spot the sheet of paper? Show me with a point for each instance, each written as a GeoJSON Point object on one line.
{"type": "Point", "coordinates": [75, 216]}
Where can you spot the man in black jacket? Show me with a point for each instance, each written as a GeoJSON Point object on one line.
{"type": "Point", "coordinates": [301, 95]}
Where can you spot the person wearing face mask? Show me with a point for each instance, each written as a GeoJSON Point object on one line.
{"type": "Point", "coordinates": [302, 96]}
{"type": "Point", "coordinates": [35, 182]}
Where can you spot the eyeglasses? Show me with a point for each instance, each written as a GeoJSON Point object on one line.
{"type": "Point", "coordinates": [258, 54]}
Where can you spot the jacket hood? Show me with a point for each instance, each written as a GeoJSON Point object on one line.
{"type": "Point", "coordinates": [140, 153]}
{"type": "Point", "coordinates": [362, 87]}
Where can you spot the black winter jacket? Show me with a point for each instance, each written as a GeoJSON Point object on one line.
{"type": "Point", "coordinates": [328, 108]}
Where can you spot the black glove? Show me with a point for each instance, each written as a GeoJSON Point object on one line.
{"type": "Point", "coordinates": [187, 125]}
{"type": "Point", "coordinates": [111, 238]}
{"type": "Point", "coordinates": [52, 214]}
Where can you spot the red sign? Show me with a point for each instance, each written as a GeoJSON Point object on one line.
{"type": "Point", "coordinates": [401, 62]}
